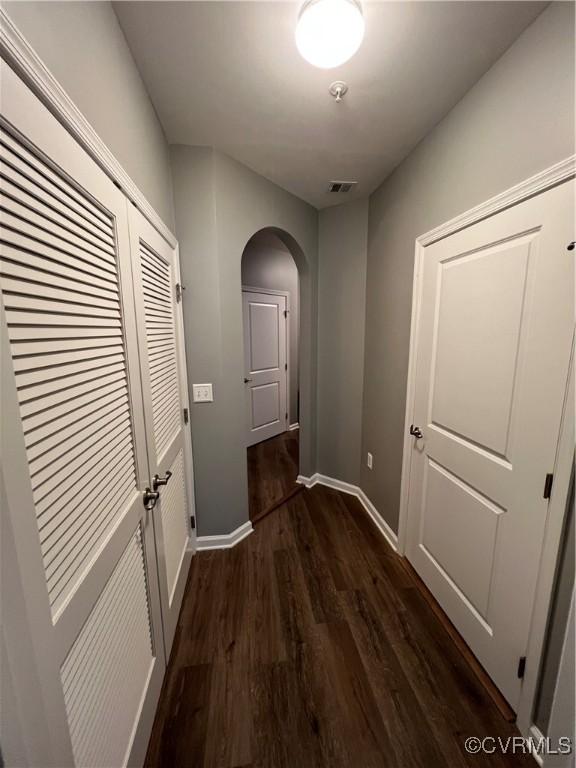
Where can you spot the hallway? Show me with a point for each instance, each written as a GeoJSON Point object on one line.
{"type": "Point", "coordinates": [272, 473]}
{"type": "Point", "coordinates": [309, 645]}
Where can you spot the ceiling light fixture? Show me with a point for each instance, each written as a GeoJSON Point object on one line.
{"type": "Point", "coordinates": [329, 32]}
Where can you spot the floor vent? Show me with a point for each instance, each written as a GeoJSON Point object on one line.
{"type": "Point", "coordinates": [341, 186]}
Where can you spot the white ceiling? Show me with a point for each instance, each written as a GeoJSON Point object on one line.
{"type": "Point", "coordinates": [228, 74]}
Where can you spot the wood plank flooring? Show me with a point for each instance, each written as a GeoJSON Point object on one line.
{"type": "Point", "coordinates": [309, 645]}
{"type": "Point", "coordinates": [272, 472]}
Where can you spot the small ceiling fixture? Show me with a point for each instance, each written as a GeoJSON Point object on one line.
{"type": "Point", "coordinates": [329, 32]}
{"type": "Point", "coordinates": [338, 89]}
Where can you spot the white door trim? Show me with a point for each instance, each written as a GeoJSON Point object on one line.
{"type": "Point", "coordinates": [550, 177]}
{"type": "Point", "coordinates": [550, 550]}
{"type": "Point", "coordinates": [185, 398]}
{"type": "Point", "coordinates": [18, 52]}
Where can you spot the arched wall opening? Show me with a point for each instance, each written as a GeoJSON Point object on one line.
{"type": "Point", "coordinates": [272, 264]}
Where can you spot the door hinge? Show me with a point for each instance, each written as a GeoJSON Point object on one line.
{"type": "Point", "coordinates": [285, 313]}
{"type": "Point", "coordinates": [286, 416]}
{"type": "Point", "coordinates": [186, 416]}
{"type": "Point", "coordinates": [193, 521]}
{"type": "Point", "coordinates": [285, 366]}
{"type": "Point", "coordinates": [179, 289]}
{"type": "Point", "coordinates": [548, 485]}
{"type": "Point", "coordinates": [521, 667]}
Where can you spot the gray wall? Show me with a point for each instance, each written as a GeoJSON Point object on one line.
{"type": "Point", "coordinates": [220, 204]}
{"type": "Point", "coordinates": [343, 235]}
{"type": "Point", "coordinates": [517, 120]}
{"type": "Point", "coordinates": [83, 46]}
{"type": "Point", "coordinates": [267, 263]}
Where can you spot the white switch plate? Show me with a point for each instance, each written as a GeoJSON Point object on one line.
{"type": "Point", "coordinates": [202, 393]}
{"type": "Point", "coordinates": [369, 460]}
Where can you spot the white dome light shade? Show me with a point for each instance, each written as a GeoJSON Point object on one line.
{"type": "Point", "coordinates": [329, 32]}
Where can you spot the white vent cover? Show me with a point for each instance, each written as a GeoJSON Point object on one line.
{"type": "Point", "coordinates": [341, 186]}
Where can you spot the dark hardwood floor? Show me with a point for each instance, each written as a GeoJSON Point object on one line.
{"type": "Point", "coordinates": [272, 473]}
{"type": "Point", "coordinates": [309, 645]}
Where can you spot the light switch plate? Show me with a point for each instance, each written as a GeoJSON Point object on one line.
{"type": "Point", "coordinates": [202, 393]}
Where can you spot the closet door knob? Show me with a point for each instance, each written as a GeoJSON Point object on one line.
{"type": "Point", "coordinates": [149, 498]}
{"type": "Point", "coordinates": [157, 481]}
{"type": "Point", "coordinates": [416, 432]}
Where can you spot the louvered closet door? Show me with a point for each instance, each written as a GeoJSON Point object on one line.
{"type": "Point", "coordinates": [160, 338]}
{"type": "Point", "coordinates": [74, 446]}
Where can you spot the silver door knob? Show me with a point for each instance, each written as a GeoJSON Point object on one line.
{"type": "Point", "coordinates": [416, 432]}
{"type": "Point", "coordinates": [150, 498]}
{"type": "Point", "coordinates": [157, 481]}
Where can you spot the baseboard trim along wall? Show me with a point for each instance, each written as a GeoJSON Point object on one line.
{"type": "Point", "coordinates": [226, 541]}
{"type": "Point", "coordinates": [353, 490]}
{"type": "Point", "coordinates": [293, 427]}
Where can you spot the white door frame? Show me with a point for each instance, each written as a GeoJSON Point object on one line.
{"type": "Point", "coordinates": [556, 174]}
{"type": "Point", "coordinates": [185, 398]}
{"type": "Point", "coordinates": [286, 294]}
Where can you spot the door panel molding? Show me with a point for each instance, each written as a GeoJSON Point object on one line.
{"type": "Point", "coordinates": [273, 417]}
{"type": "Point", "coordinates": [540, 182]}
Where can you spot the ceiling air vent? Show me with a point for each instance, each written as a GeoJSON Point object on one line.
{"type": "Point", "coordinates": [341, 186]}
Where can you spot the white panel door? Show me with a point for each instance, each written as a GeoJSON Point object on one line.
{"type": "Point", "coordinates": [160, 337]}
{"type": "Point", "coordinates": [265, 365]}
{"type": "Point", "coordinates": [73, 443]}
{"type": "Point", "coordinates": [494, 343]}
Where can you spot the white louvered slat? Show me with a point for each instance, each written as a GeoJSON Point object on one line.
{"type": "Point", "coordinates": [55, 254]}
{"type": "Point", "coordinates": [34, 394]}
{"type": "Point", "coordinates": [53, 269]}
{"type": "Point", "coordinates": [105, 673]}
{"type": "Point", "coordinates": [53, 211]}
{"type": "Point", "coordinates": [174, 526]}
{"type": "Point", "coordinates": [28, 220]}
{"type": "Point", "coordinates": [44, 176]}
{"type": "Point", "coordinates": [41, 407]}
{"type": "Point", "coordinates": [157, 287]}
{"type": "Point", "coordinates": [61, 295]}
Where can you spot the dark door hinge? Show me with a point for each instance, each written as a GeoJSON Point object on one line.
{"type": "Point", "coordinates": [179, 289]}
{"type": "Point", "coordinates": [548, 485]}
{"type": "Point", "coordinates": [193, 521]}
{"type": "Point", "coordinates": [286, 415]}
{"type": "Point", "coordinates": [186, 416]}
{"type": "Point", "coordinates": [521, 667]}
{"type": "Point", "coordinates": [285, 366]}
{"type": "Point", "coordinates": [285, 313]}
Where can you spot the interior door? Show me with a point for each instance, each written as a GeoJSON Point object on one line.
{"type": "Point", "coordinates": [159, 322]}
{"type": "Point", "coordinates": [265, 364]}
{"type": "Point", "coordinates": [494, 342]}
{"type": "Point", "coordinates": [73, 444]}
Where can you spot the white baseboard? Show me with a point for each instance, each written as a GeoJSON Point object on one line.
{"type": "Point", "coordinates": [353, 490]}
{"type": "Point", "coordinates": [293, 427]}
{"type": "Point", "coordinates": [225, 541]}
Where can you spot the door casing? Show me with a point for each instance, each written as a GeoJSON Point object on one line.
{"type": "Point", "coordinates": [540, 182]}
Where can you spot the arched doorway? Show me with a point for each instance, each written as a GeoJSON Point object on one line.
{"type": "Point", "coordinates": [271, 334]}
